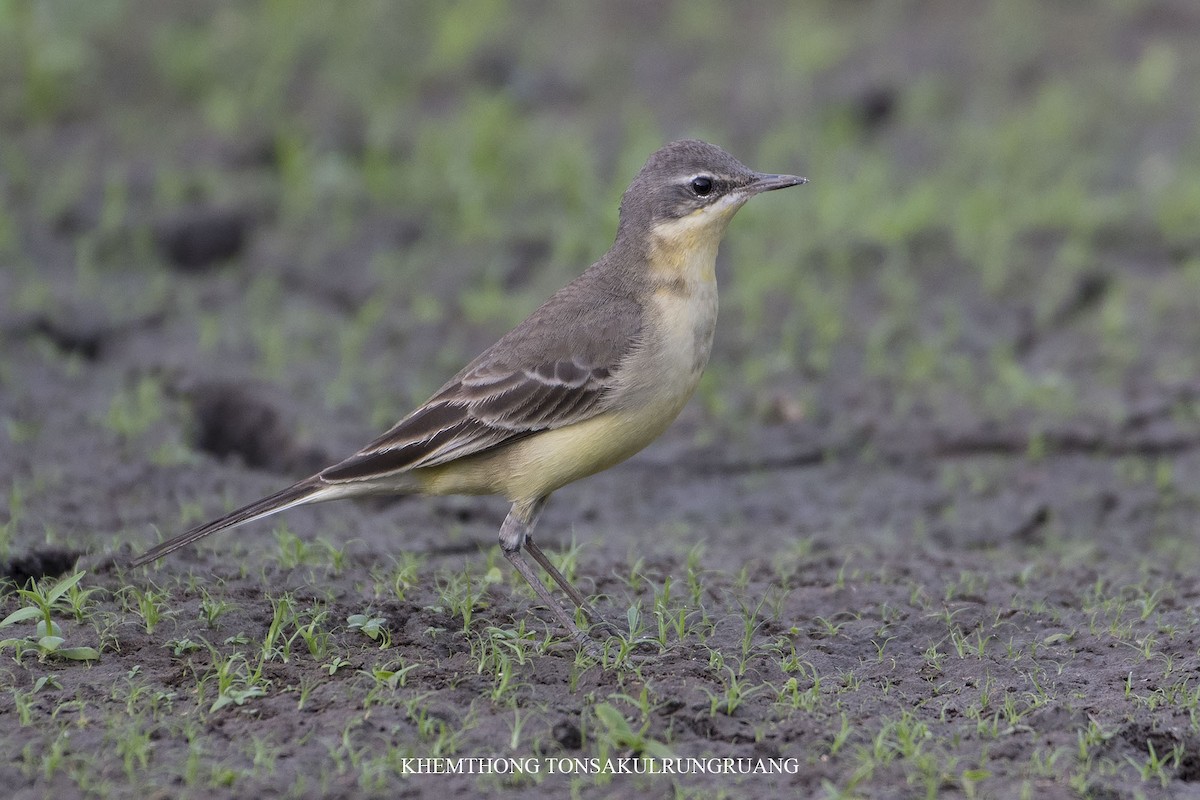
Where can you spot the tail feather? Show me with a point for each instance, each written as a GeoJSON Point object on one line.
{"type": "Point", "coordinates": [304, 492]}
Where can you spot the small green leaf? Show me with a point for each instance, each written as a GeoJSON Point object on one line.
{"type": "Point", "coordinates": [62, 587]}
{"type": "Point", "coordinates": [55, 629]}
{"type": "Point", "coordinates": [78, 653]}
{"type": "Point", "coordinates": [656, 749]}
{"type": "Point", "coordinates": [20, 615]}
{"type": "Point", "coordinates": [613, 720]}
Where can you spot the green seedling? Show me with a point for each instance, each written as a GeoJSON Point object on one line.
{"type": "Point", "coordinates": [617, 735]}
{"type": "Point", "coordinates": [335, 664]}
{"type": "Point", "coordinates": [736, 691]}
{"type": "Point", "coordinates": [236, 682]}
{"type": "Point", "coordinates": [47, 637]}
{"type": "Point", "coordinates": [150, 604]}
{"type": "Point", "coordinates": [392, 675]}
{"type": "Point", "coordinates": [405, 574]}
{"type": "Point", "coordinates": [212, 608]}
{"type": "Point", "coordinates": [373, 627]}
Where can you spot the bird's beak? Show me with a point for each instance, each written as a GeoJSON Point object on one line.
{"type": "Point", "coordinates": [766, 183]}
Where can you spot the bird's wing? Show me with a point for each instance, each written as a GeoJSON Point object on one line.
{"type": "Point", "coordinates": [554, 370]}
{"type": "Point", "coordinates": [483, 409]}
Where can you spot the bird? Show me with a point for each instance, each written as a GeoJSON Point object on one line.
{"type": "Point", "coordinates": [591, 377]}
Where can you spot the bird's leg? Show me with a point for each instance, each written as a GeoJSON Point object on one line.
{"type": "Point", "coordinates": [514, 533]}
{"type": "Point", "coordinates": [593, 616]}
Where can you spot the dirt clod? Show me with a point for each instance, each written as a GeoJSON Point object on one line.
{"type": "Point", "coordinates": [196, 239]}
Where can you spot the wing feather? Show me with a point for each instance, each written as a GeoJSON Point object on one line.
{"type": "Point", "coordinates": [468, 418]}
{"type": "Point", "coordinates": [555, 369]}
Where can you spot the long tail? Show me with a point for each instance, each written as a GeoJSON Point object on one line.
{"type": "Point", "coordinates": [306, 491]}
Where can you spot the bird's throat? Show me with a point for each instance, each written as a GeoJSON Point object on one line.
{"type": "Point", "coordinates": [683, 251]}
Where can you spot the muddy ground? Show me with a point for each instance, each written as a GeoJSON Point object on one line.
{"type": "Point", "coordinates": [929, 529]}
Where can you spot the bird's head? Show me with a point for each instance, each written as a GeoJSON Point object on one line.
{"type": "Point", "coordinates": [690, 187]}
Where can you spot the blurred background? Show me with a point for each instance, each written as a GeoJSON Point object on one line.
{"type": "Point", "coordinates": [342, 203]}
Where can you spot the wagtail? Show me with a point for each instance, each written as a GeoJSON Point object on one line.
{"type": "Point", "coordinates": [590, 378]}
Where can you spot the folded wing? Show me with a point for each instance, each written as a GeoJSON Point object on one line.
{"type": "Point", "coordinates": [488, 406]}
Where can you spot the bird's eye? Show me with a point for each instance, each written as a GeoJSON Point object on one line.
{"type": "Point", "coordinates": [702, 185]}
